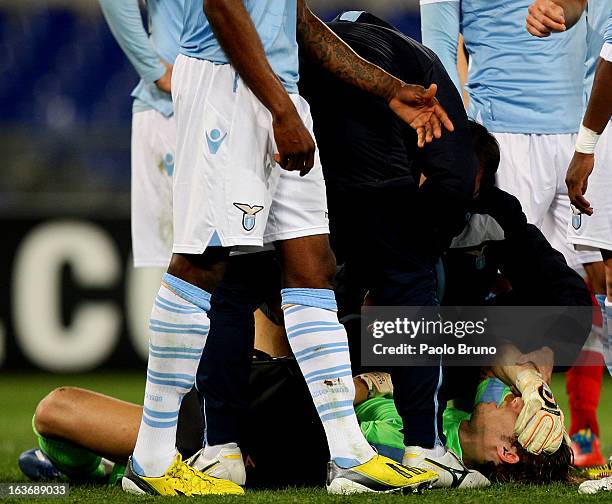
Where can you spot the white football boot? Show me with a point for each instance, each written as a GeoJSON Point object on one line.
{"type": "Point", "coordinates": [227, 464]}
{"type": "Point", "coordinates": [596, 486]}
{"type": "Point", "coordinates": [451, 471]}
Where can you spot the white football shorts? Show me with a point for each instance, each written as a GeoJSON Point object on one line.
{"type": "Point", "coordinates": [533, 169]}
{"type": "Point", "coordinates": [228, 190]}
{"type": "Point", "coordinates": [153, 151]}
{"type": "Point", "coordinates": [595, 232]}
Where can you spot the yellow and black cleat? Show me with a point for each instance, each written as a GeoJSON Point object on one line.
{"type": "Point", "coordinates": [179, 479]}
{"type": "Point", "coordinates": [379, 475]}
{"type": "Point", "coordinates": [598, 472]}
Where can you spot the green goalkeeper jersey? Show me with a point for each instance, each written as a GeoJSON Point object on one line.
{"type": "Point", "coordinates": [382, 426]}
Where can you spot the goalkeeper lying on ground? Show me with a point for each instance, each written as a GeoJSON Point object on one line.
{"type": "Point", "coordinates": [84, 435]}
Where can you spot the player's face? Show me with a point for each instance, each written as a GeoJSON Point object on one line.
{"type": "Point", "coordinates": [498, 425]}
{"type": "Point", "coordinates": [509, 411]}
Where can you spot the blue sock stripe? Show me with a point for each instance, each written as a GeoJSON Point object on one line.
{"type": "Point", "coordinates": [170, 383]}
{"type": "Point", "coordinates": [343, 367]}
{"type": "Point", "coordinates": [136, 466]}
{"type": "Point", "coordinates": [338, 327]}
{"type": "Point", "coordinates": [176, 331]}
{"type": "Point", "coordinates": [170, 376]}
{"type": "Point", "coordinates": [601, 300]}
{"type": "Point", "coordinates": [324, 352]}
{"type": "Point", "coordinates": [334, 415]}
{"type": "Point", "coordinates": [294, 309]}
{"type": "Point", "coordinates": [179, 326]}
{"type": "Point", "coordinates": [315, 298]}
{"type": "Point", "coordinates": [156, 348]}
{"type": "Point", "coordinates": [160, 414]}
{"type": "Point", "coordinates": [159, 425]}
{"type": "Point", "coordinates": [332, 405]}
{"type": "Point", "coordinates": [329, 377]}
{"type": "Point", "coordinates": [172, 304]}
{"type": "Point", "coordinates": [318, 347]}
{"type": "Point", "coordinates": [175, 310]}
{"type": "Point", "coordinates": [347, 463]}
{"type": "Point", "coordinates": [311, 324]}
{"type": "Point", "coordinates": [173, 355]}
{"type": "Point", "coordinates": [188, 292]}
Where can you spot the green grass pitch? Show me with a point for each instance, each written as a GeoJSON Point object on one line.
{"type": "Point", "coordinates": [21, 392]}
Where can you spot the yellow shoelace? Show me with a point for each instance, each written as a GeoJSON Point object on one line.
{"type": "Point", "coordinates": [188, 478]}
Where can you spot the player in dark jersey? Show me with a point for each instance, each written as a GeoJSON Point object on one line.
{"type": "Point", "coordinates": [393, 208]}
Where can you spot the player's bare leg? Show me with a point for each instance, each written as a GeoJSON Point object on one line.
{"type": "Point", "coordinates": [82, 435]}
{"type": "Point", "coordinates": [73, 414]}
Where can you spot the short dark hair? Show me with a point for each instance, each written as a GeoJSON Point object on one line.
{"type": "Point", "coordinates": [487, 151]}
{"type": "Point", "coordinates": [533, 469]}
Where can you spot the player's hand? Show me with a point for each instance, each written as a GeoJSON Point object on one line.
{"type": "Point", "coordinates": [543, 360]}
{"type": "Point", "coordinates": [539, 426]}
{"type": "Point", "coordinates": [164, 83]}
{"type": "Point", "coordinates": [379, 384]}
{"type": "Point", "coordinates": [545, 17]}
{"type": "Point", "coordinates": [296, 147]}
{"type": "Point", "coordinates": [419, 108]}
{"type": "Point", "coordinates": [577, 179]}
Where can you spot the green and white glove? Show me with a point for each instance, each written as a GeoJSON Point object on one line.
{"type": "Point", "coordinates": [540, 425]}
{"type": "Point", "coordinates": [379, 384]}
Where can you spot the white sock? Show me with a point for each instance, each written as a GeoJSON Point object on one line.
{"type": "Point", "coordinates": [320, 345]}
{"type": "Point", "coordinates": [178, 330]}
{"type": "Point", "coordinates": [210, 452]}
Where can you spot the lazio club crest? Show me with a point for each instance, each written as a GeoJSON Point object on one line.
{"type": "Point", "coordinates": [248, 214]}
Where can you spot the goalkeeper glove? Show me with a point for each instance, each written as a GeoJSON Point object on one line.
{"type": "Point", "coordinates": [379, 384]}
{"type": "Point", "coordinates": [539, 426]}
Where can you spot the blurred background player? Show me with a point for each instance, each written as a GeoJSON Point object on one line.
{"type": "Point", "coordinates": [153, 128]}
{"type": "Point", "coordinates": [530, 94]}
{"type": "Point", "coordinates": [228, 184]}
{"type": "Point", "coordinates": [587, 232]}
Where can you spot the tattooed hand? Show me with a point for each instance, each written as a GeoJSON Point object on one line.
{"type": "Point", "coordinates": [419, 108]}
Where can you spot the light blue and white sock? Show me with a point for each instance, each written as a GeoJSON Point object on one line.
{"type": "Point", "coordinates": [320, 345]}
{"type": "Point", "coordinates": [178, 330]}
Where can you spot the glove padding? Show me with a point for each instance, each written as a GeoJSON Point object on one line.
{"type": "Point", "coordinates": [379, 384]}
{"type": "Point", "coordinates": [540, 425]}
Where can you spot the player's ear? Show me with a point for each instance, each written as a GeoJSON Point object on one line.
{"type": "Point", "coordinates": [507, 453]}
{"type": "Point", "coordinates": [517, 405]}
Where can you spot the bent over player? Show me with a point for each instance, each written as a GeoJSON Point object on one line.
{"type": "Point", "coordinates": [237, 110]}
{"type": "Point", "coordinates": [388, 229]}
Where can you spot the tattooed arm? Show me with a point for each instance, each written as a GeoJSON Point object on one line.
{"type": "Point", "coordinates": [414, 104]}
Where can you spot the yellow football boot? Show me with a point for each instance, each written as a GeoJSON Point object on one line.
{"type": "Point", "coordinates": [380, 475]}
{"type": "Point", "coordinates": [179, 479]}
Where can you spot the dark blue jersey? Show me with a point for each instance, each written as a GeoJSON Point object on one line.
{"type": "Point", "coordinates": [363, 144]}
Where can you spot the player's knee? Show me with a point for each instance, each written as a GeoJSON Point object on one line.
{"type": "Point", "coordinates": [315, 274]}
{"type": "Point", "coordinates": [204, 271]}
{"type": "Point", "coordinates": [52, 410]}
